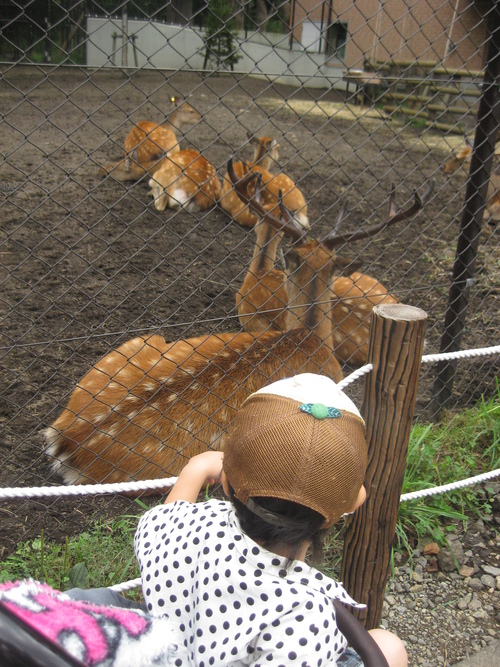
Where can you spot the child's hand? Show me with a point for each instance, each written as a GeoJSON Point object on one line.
{"type": "Point", "coordinates": [199, 470]}
{"type": "Point", "coordinates": [209, 464]}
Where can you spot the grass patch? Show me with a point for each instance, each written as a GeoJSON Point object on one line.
{"type": "Point", "coordinates": [101, 557]}
{"type": "Point", "coordinates": [462, 446]}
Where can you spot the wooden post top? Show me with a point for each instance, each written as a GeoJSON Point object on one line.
{"type": "Point", "coordinates": [400, 312]}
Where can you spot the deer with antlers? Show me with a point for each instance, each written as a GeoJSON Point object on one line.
{"type": "Point", "coordinates": [186, 180]}
{"type": "Point", "coordinates": [149, 405]}
{"type": "Point", "coordinates": [265, 153]}
{"type": "Point", "coordinates": [147, 144]}
{"type": "Point", "coordinates": [261, 300]}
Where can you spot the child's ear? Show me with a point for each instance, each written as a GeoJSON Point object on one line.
{"type": "Point", "coordinates": [359, 500]}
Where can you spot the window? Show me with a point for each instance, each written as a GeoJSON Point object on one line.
{"type": "Point", "coordinates": [336, 39]}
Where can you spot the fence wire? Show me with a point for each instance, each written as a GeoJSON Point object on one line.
{"type": "Point", "coordinates": [358, 96]}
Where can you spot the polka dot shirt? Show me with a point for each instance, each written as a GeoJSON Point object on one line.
{"type": "Point", "coordinates": [232, 600]}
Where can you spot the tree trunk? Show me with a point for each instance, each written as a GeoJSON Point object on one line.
{"type": "Point", "coordinates": [261, 14]}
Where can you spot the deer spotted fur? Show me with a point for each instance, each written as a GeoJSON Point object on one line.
{"type": "Point", "coordinates": [149, 405]}
{"type": "Point", "coordinates": [265, 152]}
{"type": "Point", "coordinates": [185, 180]}
{"type": "Point", "coordinates": [148, 143]}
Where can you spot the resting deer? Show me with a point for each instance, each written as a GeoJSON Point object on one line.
{"type": "Point", "coordinates": [461, 162]}
{"type": "Point", "coordinates": [148, 405]}
{"type": "Point", "coordinates": [265, 152]}
{"type": "Point", "coordinates": [148, 143]}
{"type": "Point", "coordinates": [261, 301]}
{"type": "Point", "coordinates": [185, 180]}
{"type": "Point", "coordinates": [462, 156]}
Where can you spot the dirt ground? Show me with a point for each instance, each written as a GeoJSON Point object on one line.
{"type": "Point", "coordinates": [88, 263]}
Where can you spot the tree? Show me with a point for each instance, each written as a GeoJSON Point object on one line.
{"type": "Point", "coordinates": [220, 34]}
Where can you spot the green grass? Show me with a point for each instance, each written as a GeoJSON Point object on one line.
{"type": "Point", "coordinates": [103, 556]}
{"type": "Point", "coordinates": [462, 446]}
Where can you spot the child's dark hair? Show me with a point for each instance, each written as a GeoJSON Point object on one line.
{"type": "Point", "coordinates": [306, 525]}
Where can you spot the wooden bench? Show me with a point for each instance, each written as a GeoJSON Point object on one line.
{"type": "Point", "coordinates": [365, 83]}
{"type": "Point", "coordinates": [444, 98]}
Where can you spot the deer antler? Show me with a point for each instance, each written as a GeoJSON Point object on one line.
{"type": "Point", "coordinates": [288, 225]}
{"type": "Point", "coordinates": [335, 239]}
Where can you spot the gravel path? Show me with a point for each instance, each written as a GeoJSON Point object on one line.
{"type": "Point", "coordinates": [446, 613]}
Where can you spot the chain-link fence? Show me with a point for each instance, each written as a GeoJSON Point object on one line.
{"type": "Point", "coordinates": [357, 95]}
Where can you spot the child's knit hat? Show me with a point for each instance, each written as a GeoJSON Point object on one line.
{"type": "Point", "coordinates": [300, 439]}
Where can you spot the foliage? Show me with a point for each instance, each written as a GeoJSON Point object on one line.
{"type": "Point", "coordinates": [103, 556]}
{"type": "Point", "coordinates": [220, 33]}
{"type": "Point", "coordinates": [462, 446]}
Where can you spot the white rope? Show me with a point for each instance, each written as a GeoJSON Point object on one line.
{"type": "Point", "coordinates": [135, 583]}
{"type": "Point", "coordinates": [89, 489]}
{"type": "Point", "coordinates": [119, 487]}
{"type": "Point", "coordinates": [449, 487]}
{"type": "Point", "coordinates": [126, 585]}
{"type": "Point", "coordinates": [429, 358]}
{"type": "Point", "coordinates": [426, 359]}
{"type": "Point", "coordinates": [355, 375]}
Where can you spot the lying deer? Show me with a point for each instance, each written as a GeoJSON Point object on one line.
{"type": "Point", "coordinates": [261, 301]}
{"type": "Point", "coordinates": [185, 180]}
{"type": "Point", "coordinates": [148, 143]}
{"type": "Point", "coordinates": [148, 405]}
{"type": "Point", "coordinates": [265, 152]}
{"type": "Point", "coordinates": [462, 156]}
{"type": "Point", "coordinates": [460, 161]}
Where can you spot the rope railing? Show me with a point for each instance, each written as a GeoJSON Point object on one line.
{"type": "Point", "coordinates": [426, 359]}
{"type": "Point", "coordinates": [153, 484]}
{"type": "Point", "coordinates": [94, 489]}
{"type": "Point", "coordinates": [135, 583]}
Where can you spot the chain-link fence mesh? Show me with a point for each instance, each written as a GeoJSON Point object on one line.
{"type": "Point", "coordinates": [357, 95]}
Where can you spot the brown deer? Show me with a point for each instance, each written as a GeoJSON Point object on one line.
{"type": "Point", "coordinates": [185, 180]}
{"type": "Point", "coordinates": [149, 405]}
{"type": "Point", "coordinates": [461, 157]}
{"type": "Point", "coordinates": [460, 162]}
{"type": "Point", "coordinates": [265, 152]}
{"type": "Point", "coordinates": [148, 143]}
{"type": "Point", "coordinates": [261, 301]}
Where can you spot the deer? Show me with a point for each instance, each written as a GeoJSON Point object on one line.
{"type": "Point", "coordinates": [147, 143]}
{"type": "Point", "coordinates": [460, 161]}
{"type": "Point", "coordinates": [261, 301]}
{"type": "Point", "coordinates": [265, 152]}
{"type": "Point", "coordinates": [149, 405]}
{"type": "Point", "coordinates": [185, 180]}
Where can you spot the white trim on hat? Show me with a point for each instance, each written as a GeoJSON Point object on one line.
{"type": "Point", "coordinates": [311, 388]}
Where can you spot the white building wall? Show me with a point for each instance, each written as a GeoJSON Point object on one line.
{"type": "Point", "coordinates": [162, 46]}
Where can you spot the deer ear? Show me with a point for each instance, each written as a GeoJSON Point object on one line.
{"type": "Point", "coordinates": [348, 266]}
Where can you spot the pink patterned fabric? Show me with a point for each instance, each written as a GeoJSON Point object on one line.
{"type": "Point", "coordinates": [96, 635]}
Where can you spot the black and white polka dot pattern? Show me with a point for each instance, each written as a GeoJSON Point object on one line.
{"type": "Point", "coordinates": [233, 601]}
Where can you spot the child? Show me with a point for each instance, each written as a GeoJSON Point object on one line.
{"type": "Point", "coordinates": [231, 575]}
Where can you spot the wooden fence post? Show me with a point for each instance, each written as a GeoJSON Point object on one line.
{"type": "Point", "coordinates": [389, 393]}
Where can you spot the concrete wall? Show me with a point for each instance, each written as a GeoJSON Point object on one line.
{"type": "Point", "coordinates": [174, 47]}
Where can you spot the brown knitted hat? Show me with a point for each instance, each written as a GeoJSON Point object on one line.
{"type": "Point", "coordinates": [300, 439]}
